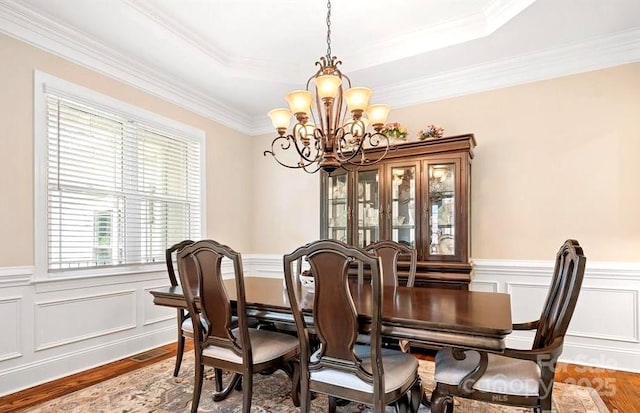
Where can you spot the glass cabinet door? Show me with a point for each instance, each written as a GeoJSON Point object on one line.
{"type": "Point", "coordinates": [441, 208]}
{"type": "Point", "coordinates": [367, 209]}
{"type": "Point", "coordinates": [403, 205]}
{"type": "Point", "coordinates": [337, 207]}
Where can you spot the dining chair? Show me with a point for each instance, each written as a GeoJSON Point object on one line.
{"type": "Point", "coordinates": [389, 251]}
{"type": "Point", "coordinates": [242, 350]}
{"type": "Point", "coordinates": [340, 368]}
{"type": "Point", "coordinates": [516, 377]}
{"type": "Point", "coordinates": [185, 328]}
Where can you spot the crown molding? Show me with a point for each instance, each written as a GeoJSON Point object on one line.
{"type": "Point", "coordinates": [461, 29]}
{"type": "Point", "coordinates": [159, 16]}
{"type": "Point", "coordinates": [597, 53]}
{"type": "Point", "coordinates": [225, 63]}
{"type": "Point", "coordinates": [476, 25]}
{"type": "Point", "coordinates": [499, 12]}
{"type": "Point", "coordinates": [20, 21]}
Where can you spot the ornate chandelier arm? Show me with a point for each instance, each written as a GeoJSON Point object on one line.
{"type": "Point", "coordinates": [374, 139]}
{"type": "Point", "coordinates": [283, 142]}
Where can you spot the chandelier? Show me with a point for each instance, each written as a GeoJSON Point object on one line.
{"type": "Point", "coordinates": [330, 139]}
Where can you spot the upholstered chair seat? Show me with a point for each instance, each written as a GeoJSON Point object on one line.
{"type": "Point", "coordinates": [187, 328]}
{"type": "Point", "coordinates": [187, 325]}
{"type": "Point", "coordinates": [504, 375]}
{"type": "Point", "coordinates": [398, 368]}
{"type": "Point", "coordinates": [265, 345]}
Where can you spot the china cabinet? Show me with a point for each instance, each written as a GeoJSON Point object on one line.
{"type": "Point", "coordinates": [418, 195]}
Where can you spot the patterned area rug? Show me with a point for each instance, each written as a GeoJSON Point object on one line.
{"type": "Point", "coordinates": [154, 389]}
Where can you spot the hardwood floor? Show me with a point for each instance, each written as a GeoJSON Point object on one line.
{"type": "Point", "coordinates": [619, 390]}
{"type": "Point", "coordinates": [51, 390]}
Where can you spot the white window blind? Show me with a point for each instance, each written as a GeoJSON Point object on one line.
{"type": "Point", "coordinates": [118, 191]}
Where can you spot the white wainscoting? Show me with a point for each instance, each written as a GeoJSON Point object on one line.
{"type": "Point", "coordinates": [54, 329]}
{"type": "Point", "coordinates": [60, 327]}
{"type": "Point", "coordinates": [604, 331]}
{"type": "Point", "coordinates": [110, 313]}
{"type": "Point", "coordinates": [10, 345]}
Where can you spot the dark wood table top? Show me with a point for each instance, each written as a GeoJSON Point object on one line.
{"type": "Point", "coordinates": [467, 319]}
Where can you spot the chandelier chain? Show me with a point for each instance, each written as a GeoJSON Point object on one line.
{"type": "Point", "coordinates": [329, 30]}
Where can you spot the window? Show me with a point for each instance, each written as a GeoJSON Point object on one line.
{"type": "Point", "coordinates": [119, 185]}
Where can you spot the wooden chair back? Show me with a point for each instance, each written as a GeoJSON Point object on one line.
{"type": "Point", "coordinates": [182, 316]}
{"type": "Point", "coordinates": [213, 324]}
{"type": "Point", "coordinates": [563, 294]}
{"type": "Point", "coordinates": [334, 313]}
{"type": "Point", "coordinates": [389, 251]}
{"type": "Point", "coordinates": [169, 259]}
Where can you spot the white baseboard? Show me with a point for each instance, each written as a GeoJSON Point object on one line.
{"type": "Point", "coordinates": [44, 370]}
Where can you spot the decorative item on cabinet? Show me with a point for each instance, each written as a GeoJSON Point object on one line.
{"type": "Point", "coordinates": [431, 132]}
{"type": "Point", "coordinates": [420, 196]}
{"type": "Point", "coordinates": [395, 131]}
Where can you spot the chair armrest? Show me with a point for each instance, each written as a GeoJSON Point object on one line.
{"type": "Point", "coordinates": [545, 354]}
{"type": "Point", "coordinates": [465, 386]}
{"type": "Point", "coordinates": [531, 325]}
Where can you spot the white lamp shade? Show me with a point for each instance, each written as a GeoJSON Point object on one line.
{"type": "Point", "coordinates": [357, 98]}
{"type": "Point", "coordinates": [299, 101]}
{"type": "Point", "coordinates": [378, 113]}
{"type": "Point", "coordinates": [327, 85]}
{"type": "Point", "coordinates": [280, 117]}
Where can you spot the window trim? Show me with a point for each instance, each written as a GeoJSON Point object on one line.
{"type": "Point", "coordinates": [44, 83]}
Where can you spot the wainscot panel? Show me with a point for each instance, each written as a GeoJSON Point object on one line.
{"type": "Point", "coordinates": [61, 327]}
{"type": "Point", "coordinates": [10, 326]}
{"type": "Point", "coordinates": [88, 316]}
{"type": "Point", "coordinates": [604, 331]}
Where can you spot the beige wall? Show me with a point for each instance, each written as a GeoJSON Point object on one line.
{"type": "Point", "coordinates": [287, 207]}
{"type": "Point", "coordinates": [228, 173]}
{"type": "Point", "coordinates": [555, 159]}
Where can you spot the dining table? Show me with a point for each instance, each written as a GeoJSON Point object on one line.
{"type": "Point", "coordinates": [429, 316]}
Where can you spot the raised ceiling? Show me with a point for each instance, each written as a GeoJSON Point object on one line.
{"type": "Point", "coordinates": [233, 60]}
